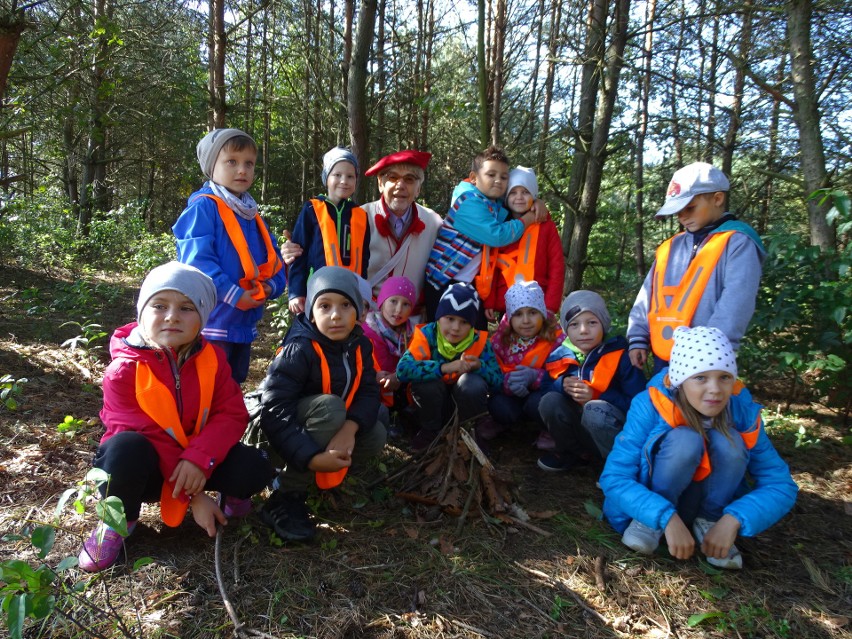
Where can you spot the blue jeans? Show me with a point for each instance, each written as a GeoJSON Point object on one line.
{"type": "Point", "coordinates": [239, 357]}
{"type": "Point", "coordinates": [675, 459]}
{"type": "Point", "coordinates": [581, 430]}
{"type": "Point", "coordinates": [508, 409]}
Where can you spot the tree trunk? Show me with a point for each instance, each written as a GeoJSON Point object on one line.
{"type": "Point", "coordinates": [216, 52]}
{"type": "Point", "coordinates": [552, 50]}
{"type": "Point", "coordinates": [11, 27]}
{"type": "Point", "coordinates": [265, 99]}
{"type": "Point", "coordinates": [482, 75]}
{"type": "Point", "coordinates": [380, 135]}
{"type": "Point", "coordinates": [807, 116]}
{"type": "Point", "coordinates": [358, 88]}
{"type": "Point", "coordinates": [497, 65]}
{"type": "Point", "coordinates": [739, 89]}
{"type": "Point", "coordinates": [427, 75]}
{"type": "Point", "coordinates": [641, 133]}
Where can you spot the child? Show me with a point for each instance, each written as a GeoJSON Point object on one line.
{"type": "Point", "coordinates": [537, 256]}
{"type": "Point", "coordinates": [448, 360]}
{"type": "Point", "coordinates": [588, 408]}
{"type": "Point", "coordinates": [330, 229]}
{"type": "Point", "coordinates": [173, 416]}
{"type": "Point", "coordinates": [390, 330]}
{"type": "Point", "coordinates": [708, 275]}
{"type": "Point", "coordinates": [528, 347]}
{"type": "Point", "coordinates": [320, 400]}
{"type": "Point", "coordinates": [684, 453]}
{"type": "Point", "coordinates": [221, 233]}
{"type": "Point", "coordinates": [475, 220]}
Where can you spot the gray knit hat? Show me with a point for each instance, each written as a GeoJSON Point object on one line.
{"type": "Point", "coordinates": [333, 279]}
{"type": "Point", "coordinates": [335, 155]}
{"type": "Point", "coordinates": [183, 278]}
{"type": "Point", "coordinates": [698, 350]}
{"type": "Point", "coordinates": [581, 301]}
{"type": "Point", "coordinates": [210, 145]}
{"type": "Point", "coordinates": [525, 294]}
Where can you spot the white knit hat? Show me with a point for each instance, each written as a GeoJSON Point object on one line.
{"type": "Point", "coordinates": [525, 295]}
{"type": "Point", "coordinates": [698, 350]}
{"type": "Point", "coordinates": [525, 177]}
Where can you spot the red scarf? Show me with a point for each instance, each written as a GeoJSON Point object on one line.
{"type": "Point", "coordinates": [383, 226]}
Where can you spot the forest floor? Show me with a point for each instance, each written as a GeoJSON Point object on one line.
{"type": "Point", "coordinates": [382, 567]}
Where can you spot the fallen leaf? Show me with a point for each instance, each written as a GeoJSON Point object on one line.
{"type": "Point", "coordinates": [446, 546]}
{"type": "Point", "coordinates": [411, 533]}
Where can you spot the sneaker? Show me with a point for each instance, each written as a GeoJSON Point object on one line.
{"type": "Point", "coordinates": [544, 441]}
{"type": "Point", "coordinates": [102, 548]}
{"type": "Point", "coordinates": [287, 514]}
{"type": "Point", "coordinates": [556, 463]}
{"type": "Point", "coordinates": [236, 507]}
{"type": "Point", "coordinates": [641, 538]}
{"type": "Point", "coordinates": [734, 560]}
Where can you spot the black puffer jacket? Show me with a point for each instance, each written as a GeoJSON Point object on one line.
{"type": "Point", "coordinates": [296, 373]}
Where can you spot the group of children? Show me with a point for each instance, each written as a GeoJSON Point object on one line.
{"type": "Point", "coordinates": [688, 451]}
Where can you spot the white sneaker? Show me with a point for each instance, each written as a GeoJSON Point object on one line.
{"type": "Point", "coordinates": [734, 560]}
{"type": "Point", "coordinates": [641, 538]}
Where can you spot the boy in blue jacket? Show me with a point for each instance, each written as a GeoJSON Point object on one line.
{"type": "Point", "coordinates": [320, 400]}
{"type": "Point", "coordinates": [221, 234]}
{"type": "Point", "coordinates": [588, 407]}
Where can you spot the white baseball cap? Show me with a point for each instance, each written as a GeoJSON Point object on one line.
{"type": "Point", "coordinates": [693, 179]}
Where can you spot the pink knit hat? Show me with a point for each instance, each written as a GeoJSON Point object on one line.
{"type": "Point", "coordinates": [397, 285]}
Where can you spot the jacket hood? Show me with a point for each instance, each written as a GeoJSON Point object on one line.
{"type": "Point", "coordinates": [464, 187]}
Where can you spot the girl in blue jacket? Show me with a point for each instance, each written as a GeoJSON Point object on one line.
{"type": "Point", "coordinates": [693, 451]}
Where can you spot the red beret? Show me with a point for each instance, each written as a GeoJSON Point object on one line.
{"type": "Point", "coordinates": [417, 158]}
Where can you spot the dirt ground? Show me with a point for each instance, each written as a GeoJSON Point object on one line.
{"type": "Point", "coordinates": [383, 567]}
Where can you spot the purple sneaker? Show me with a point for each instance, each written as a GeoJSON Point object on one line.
{"type": "Point", "coordinates": [102, 548]}
{"type": "Point", "coordinates": [235, 507]}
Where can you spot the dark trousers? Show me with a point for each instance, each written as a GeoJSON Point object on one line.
{"type": "Point", "coordinates": [508, 409]}
{"type": "Point", "coordinates": [432, 296]}
{"type": "Point", "coordinates": [239, 358]}
{"type": "Point", "coordinates": [134, 468]}
{"type": "Point", "coordinates": [435, 399]}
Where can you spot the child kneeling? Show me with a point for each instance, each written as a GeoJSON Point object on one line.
{"type": "Point", "coordinates": [449, 360]}
{"type": "Point", "coordinates": [173, 415]}
{"type": "Point", "coordinates": [683, 456]}
{"type": "Point", "coordinates": [320, 400]}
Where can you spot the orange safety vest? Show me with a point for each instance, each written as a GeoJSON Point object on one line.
{"type": "Point", "coordinates": [519, 264]}
{"type": "Point", "coordinates": [421, 351]}
{"type": "Point", "coordinates": [536, 357]}
{"type": "Point", "coordinates": [483, 281]}
{"type": "Point", "coordinates": [387, 395]}
{"type": "Point", "coordinates": [664, 317]}
{"type": "Point", "coordinates": [156, 400]}
{"type": "Point", "coordinates": [330, 243]}
{"type": "Point", "coordinates": [326, 480]}
{"type": "Point", "coordinates": [254, 274]}
{"type": "Point", "coordinates": [673, 416]}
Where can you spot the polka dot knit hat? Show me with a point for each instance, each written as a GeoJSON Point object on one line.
{"type": "Point", "coordinates": [525, 294]}
{"type": "Point", "coordinates": [698, 350]}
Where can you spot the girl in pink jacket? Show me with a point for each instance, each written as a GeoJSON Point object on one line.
{"type": "Point", "coordinates": [173, 415]}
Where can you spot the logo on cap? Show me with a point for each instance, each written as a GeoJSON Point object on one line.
{"type": "Point", "coordinates": [674, 189]}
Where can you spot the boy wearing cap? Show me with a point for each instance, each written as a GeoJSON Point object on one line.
{"type": "Point", "coordinates": [707, 275]}
{"type": "Point", "coordinates": [330, 229]}
{"type": "Point", "coordinates": [449, 361]}
{"type": "Point", "coordinates": [320, 400]}
{"type": "Point", "coordinates": [537, 256]}
{"type": "Point", "coordinates": [221, 233]}
{"type": "Point", "coordinates": [590, 402]}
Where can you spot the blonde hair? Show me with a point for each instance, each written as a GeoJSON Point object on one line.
{"type": "Point", "coordinates": [693, 418]}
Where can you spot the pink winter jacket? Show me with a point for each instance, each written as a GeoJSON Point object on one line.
{"type": "Point", "coordinates": [228, 415]}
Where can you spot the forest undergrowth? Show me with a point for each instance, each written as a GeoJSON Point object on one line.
{"type": "Point", "coordinates": [383, 567]}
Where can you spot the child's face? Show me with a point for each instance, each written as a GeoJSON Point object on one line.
{"type": "Point", "coordinates": [519, 200]}
{"type": "Point", "coordinates": [235, 169]}
{"type": "Point", "coordinates": [709, 392]}
{"type": "Point", "coordinates": [585, 331]}
{"type": "Point", "coordinates": [341, 181]}
{"type": "Point", "coordinates": [334, 315]}
{"type": "Point", "coordinates": [396, 310]}
{"type": "Point", "coordinates": [702, 210]}
{"type": "Point", "coordinates": [526, 322]}
{"type": "Point", "coordinates": [454, 328]}
{"type": "Point", "coordinates": [170, 319]}
{"type": "Point", "coordinates": [491, 179]}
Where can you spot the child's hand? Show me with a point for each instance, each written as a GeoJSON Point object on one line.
{"type": "Point", "coordinates": [388, 381]}
{"type": "Point", "coordinates": [539, 208]}
{"type": "Point", "coordinates": [267, 289]}
{"type": "Point", "coordinates": [720, 538]}
{"type": "Point", "coordinates": [576, 389]}
{"type": "Point", "coordinates": [289, 250]}
{"type": "Point", "coordinates": [206, 512]}
{"type": "Point", "coordinates": [638, 357]}
{"type": "Point", "coordinates": [247, 302]}
{"type": "Point", "coordinates": [470, 363]}
{"type": "Point", "coordinates": [187, 477]}
{"type": "Point", "coordinates": [329, 461]}
{"type": "Point", "coordinates": [344, 439]}
{"type": "Point", "coordinates": [490, 314]}
{"type": "Point", "coordinates": [680, 541]}
{"type": "Point", "coordinates": [297, 305]}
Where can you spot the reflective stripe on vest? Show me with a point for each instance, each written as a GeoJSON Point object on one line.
{"type": "Point", "coordinates": [326, 374]}
{"type": "Point", "coordinates": [156, 400]}
{"type": "Point", "coordinates": [664, 317]}
{"type": "Point", "coordinates": [519, 265]}
{"type": "Point", "coordinates": [673, 416]}
{"type": "Point", "coordinates": [330, 242]}
{"type": "Point", "coordinates": [254, 275]}
{"type": "Point", "coordinates": [421, 351]}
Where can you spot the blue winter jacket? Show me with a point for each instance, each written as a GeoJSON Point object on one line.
{"type": "Point", "coordinates": [766, 494]}
{"type": "Point", "coordinates": [203, 242]}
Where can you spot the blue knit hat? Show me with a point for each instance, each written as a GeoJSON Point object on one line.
{"type": "Point", "coordinates": [461, 300]}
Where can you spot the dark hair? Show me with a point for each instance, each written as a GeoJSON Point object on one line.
{"type": "Point", "coordinates": [494, 153]}
{"type": "Point", "coordinates": [240, 142]}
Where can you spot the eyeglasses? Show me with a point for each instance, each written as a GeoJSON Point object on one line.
{"type": "Point", "coordinates": [407, 179]}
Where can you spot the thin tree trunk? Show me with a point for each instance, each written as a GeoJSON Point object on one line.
{"type": "Point", "coordinates": [642, 130]}
{"type": "Point", "coordinates": [482, 75]}
{"type": "Point", "coordinates": [427, 75]}
{"type": "Point", "coordinates": [265, 101]}
{"type": "Point", "coordinates": [358, 87]}
{"type": "Point", "coordinates": [380, 135]}
{"type": "Point", "coordinates": [710, 141]}
{"type": "Point", "coordinates": [552, 50]}
{"type": "Point", "coordinates": [739, 89]}
{"type": "Point", "coordinates": [249, 80]}
{"type": "Point", "coordinates": [497, 65]}
{"type": "Point", "coordinates": [217, 63]}
{"type": "Point", "coordinates": [677, 139]}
